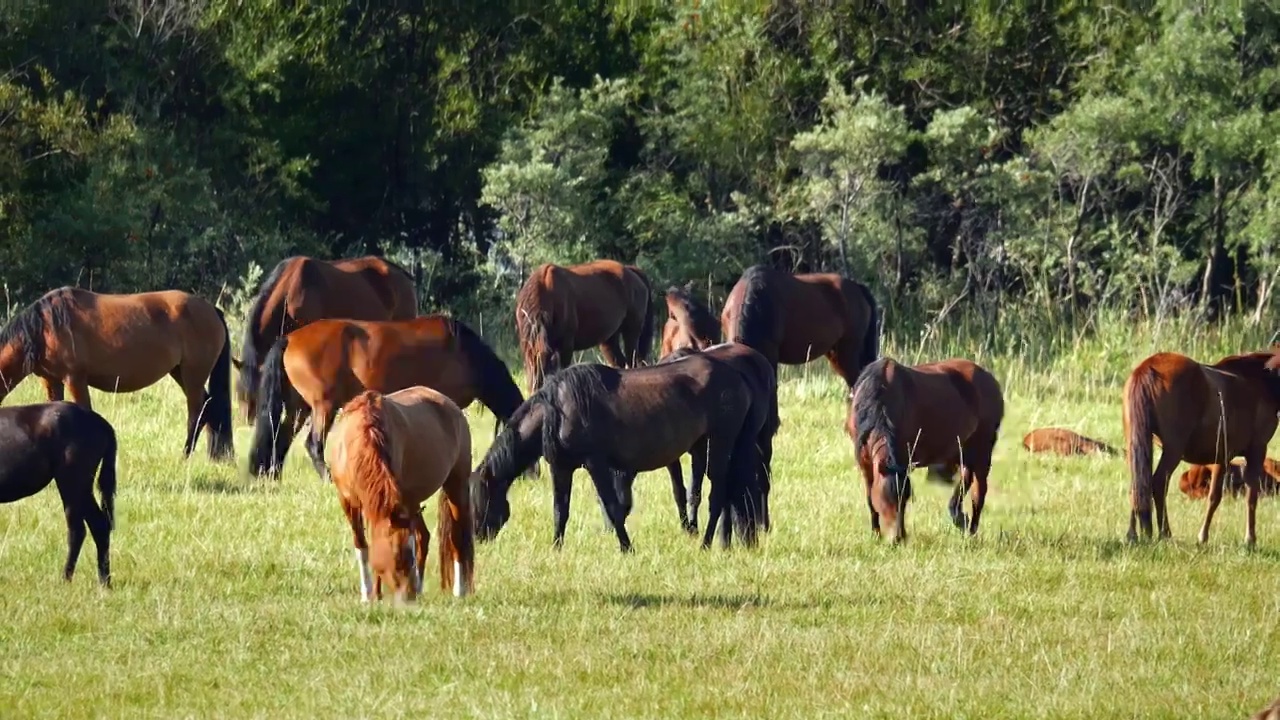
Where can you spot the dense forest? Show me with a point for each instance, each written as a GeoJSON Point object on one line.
{"type": "Point", "coordinates": [1058, 155]}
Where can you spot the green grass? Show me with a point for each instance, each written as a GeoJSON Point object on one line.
{"type": "Point", "coordinates": [236, 597]}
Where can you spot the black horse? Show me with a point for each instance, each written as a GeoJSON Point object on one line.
{"type": "Point", "coordinates": [617, 423]}
{"type": "Point", "coordinates": [63, 443]}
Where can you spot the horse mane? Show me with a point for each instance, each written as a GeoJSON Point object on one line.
{"type": "Point", "coordinates": [692, 310]}
{"type": "Point", "coordinates": [248, 348]}
{"type": "Point", "coordinates": [494, 385]}
{"type": "Point", "coordinates": [512, 453]}
{"type": "Point", "coordinates": [370, 461]}
{"type": "Point", "coordinates": [531, 315]}
{"type": "Point", "coordinates": [28, 325]}
{"type": "Point", "coordinates": [871, 413]}
{"type": "Point", "coordinates": [754, 321]}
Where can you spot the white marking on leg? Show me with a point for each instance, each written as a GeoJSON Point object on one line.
{"type": "Point", "coordinates": [459, 587]}
{"type": "Point", "coordinates": [366, 576]}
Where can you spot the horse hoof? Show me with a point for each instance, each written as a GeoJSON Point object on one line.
{"type": "Point", "coordinates": [960, 521]}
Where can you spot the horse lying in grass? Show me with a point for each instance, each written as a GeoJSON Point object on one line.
{"type": "Point", "coordinates": [389, 454]}
{"type": "Point", "coordinates": [945, 413]}
{"type": "Point", "coordinates": [690, 324]}
{"type": "Point", "coordinates": [1195, 483]}
{"type": "Point", "coordinates": [1063, 442]}
{"type": "Point", "coordinates": [124, 343]}
{"type": "Point", "coordinates": [617, 423]}
{"type": "Point", "coordinates": [300, 290]}
{"type": "Point", "coordinates": [63, 443]}
{"type": "Point", "coordinates": [1204, 414]}
{"type": "Point", "coordinates": [312, 371]}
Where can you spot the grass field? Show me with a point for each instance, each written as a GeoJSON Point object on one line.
{"type": "Point", "coordinates": [239, 598]}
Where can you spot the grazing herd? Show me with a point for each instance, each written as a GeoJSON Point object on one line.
{"type": "Point", "coordinates": [340, 343]}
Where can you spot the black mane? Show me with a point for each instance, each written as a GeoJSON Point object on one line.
{"type": "Point", "coordinates": [755, 324]}
{"type": "Point", "coordinates": [28, 325]}
{"type": "Point", "coordinates": [510, 454]}
{"type": "Point", "coordinates": [248, 347]}
{"type": "Point", "coordinates": [870, 413]}
{"type": "Point", "coordinates": [705, 324]}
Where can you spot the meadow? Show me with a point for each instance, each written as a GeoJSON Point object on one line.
{"type": "Point", "coordinates": [237, 597]}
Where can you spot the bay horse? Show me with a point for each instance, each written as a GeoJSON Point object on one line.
{"type": "Point", "coordinates": [563, 309]}
{"type": "Point", "coordinates": [1062, 441]}
{"type": "Point", "coordinates": [80, 339]}
{"type": "Point", "coordinates": [616, 423]}
{"type": "Point", "coordinates": [689, 323]}
{"type": "Point", "coordinates": [1195, 482]}
{"type": "Point", "coordinates": [763, 417]}
{"type": "Point", "coordinates": [945, 413]}
{"type": "Point", "coordinates": [1204, 414]}
{"type": "Point", "coordinates": [302, 289]}
{"type": "Point", "coordinates": [793, 319]}
{"type": "Point", "coordinates": [388, 454]}
{"type": "Point", "coordinates": [314, 370]}
{"type": "Point", "coordinates": [63, 443]}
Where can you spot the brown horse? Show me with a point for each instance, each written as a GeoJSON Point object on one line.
{"type": "Point", "coordinates": [792, 319]}
{"type": "Point", "coordinates": [123, 343]}
{"type": "Point", "coordinates": [389, 454]}
{"type": "Point", "coordinates": [1270, 712]}
{"type": "Point", "coordinates": [1063, 442]}
{"type": "Point", "coordinates": [561, 310]}
{"type": "Point", "coordinates": [1195, 482]}
{"type": "Point", "coordinates": [313, 370]}
{"type": "Point", "coordinates": [689, 323]}
{"type": "Point", "coordinates": [945, 413]}
{"type": "Point", "coordinates": [1204, 414]}
{"type": "Point", "coordinates": [302, 289]}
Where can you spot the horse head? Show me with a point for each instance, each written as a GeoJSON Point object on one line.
{"type": "Point", "coordinates": [393, 556]}
{"type": "Point", "coordinates": [489, 498]}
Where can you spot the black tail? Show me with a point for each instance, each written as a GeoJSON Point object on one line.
{"type": "Point", "coordinates": [644, 341]}
{"type": "Point", "coordinates": [746, 494]}
{"type": "Point", "coordinates": [270, 441]}
{"type": "Point", "coordinates": [871, 342]}
{"type": "Point", "coordinates": [107, 475]}
{"type": "Point", "coordinates": [217, 411]}
{"type": "Point", "coordinates": [494, 384]}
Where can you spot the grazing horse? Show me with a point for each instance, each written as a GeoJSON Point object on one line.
{"type": "Point", "coordinates": [763, 417]}
{"type": "Point", "coordinates": [302, 289]}
{"type": "Point", "coordinates": [313, 370]}
{"type": "Point", "coordinates": [1195, 482]}
{"type": "Point", "coordinates": [1204, 414]}
{"type": "Point", "coordinates": [63, 443]}
{"type": "Point", "coordinates": [689, 323]}
{"type": "Point", "coordinates": [945, 413]}
{"type": "Point", "coordinates": [617, 423]}
{"type": "Point", "coordinates": [124, 343]}
{"type": "Point", "coordinates": [792, 319]}
{"type": "Point", "coordinates": [560, 310]}
{"type": "Point", "coordinates": [388, 454]}
{"type": "Point", "coordinates": [1064, 442]}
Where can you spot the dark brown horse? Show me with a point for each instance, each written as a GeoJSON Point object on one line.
{"type": "Point", "coordinates": [792, 319]}
{"type": "Point", "coordinates": [63, 443]}
{"type": "Point", "coordinates": [314, 370]}
{"type": "Point", "coordinates": [689, 323]}
{"type": "Point", "coordinates": [617, 423]}
{"type": "Point", "coordinates": [124, 343]}
{"type": "Point", "coordinates": [1204, 414]}
{"type": "Point", "coordinates": [1195, 482]}
{"type": "Point", "coordinates": [945, 413]}
{"type": "Point", "coordinates": [301, 289]}
{"type": "Point", "coordinates": [561, 310]}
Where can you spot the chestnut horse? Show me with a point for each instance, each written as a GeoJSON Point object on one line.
{"type": "Point", "coordinates": [63, 443]}
{"type": "Point", "coordinates": [1063, 442]}
{"type": "Point", "coordinates": [792, 319]}
{"type": "Point", "coordinates": [313, 370]}
{"type": "Point", "coordinates": [124, 343]}
{"type": "Point", "coordinates": [1204, 414]}
{"type": "Point", "coordinates": [689, 323]}
{"type": "Point", "coordinates": [388, 454]}
{"type": "Point", "coordinates": [617, 423]}
{"type": "Point", "coordinates": [944, 413]}
{"type": "Point", "coordinates": [563, 309]}
{"type": "Point", "coordinates": [302, 289]}
{"type": "Point", "coordinates": [1195, 482]}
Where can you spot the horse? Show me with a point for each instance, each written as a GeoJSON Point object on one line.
{"type": "Point", "coordinates": [792, 319]}
{"type": "Point", "coordinates": [79, 339]}
{"type": "Point", "coordinates": [617, 423]}
{"type": "Point", "coordinates": [389, 454]}
{"type": "Point", "coordinates": [63, 443]}
{"type": "Point", "coordinates": [1204, 414]}
{"type": "Point", "coordinates": [689, 323]}
{"type": "Point", "coordinates": [1195, 482]}
{"type": "Point", "coordinates": [758, 374]}
{"type": "Point", "coordinates": [1064, 442]}
{"type": "Point", "coordinates": [314, 370]}
{"type": "Point", "coordinates": [945, 413]}
{"type": "Point", "coordinates": [563, 309]}
{"type": "Point", "coordinates": [302, 289]}
{"type": "Point", "coordinates": [1270, 712]}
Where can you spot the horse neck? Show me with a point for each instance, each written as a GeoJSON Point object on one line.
{"type": "Point", "coordinates": [13, 367]}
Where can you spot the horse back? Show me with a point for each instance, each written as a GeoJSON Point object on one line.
{"type": "Point", "coordinates": [950, 401]}
{"type": "Point", "coordinates": [818, 314]}
{"type": "Point", "coordinates": [391, 283]}
{"type": "Point", "coordinates": [355, 288]}
{"type": "Point", "coordinates": [598, 296]}
{"type": "Point", "coordinates": [431, 439]}
{"type": "Point", "coordinates": [161, 326]}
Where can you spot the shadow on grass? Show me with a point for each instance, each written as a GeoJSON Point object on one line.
{"type": "Point", "coordinates": [239, 485]}
{"type": "Point", "coordinates": [639, 601]}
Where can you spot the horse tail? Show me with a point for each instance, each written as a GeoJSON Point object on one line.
{"type": "Point", "coordinates": [644, 341]}
{"type": "Point", "coordinates": [871, 341]}
{"type": "Point", "coordinates": [266, 454]}
{"type": "Point", "coordinates": [457, 541]}
{"type": "Point", "coordinates": [746, 494]}
{"type": "Point", "coordinates": [107, 474]}
{"type": "Point", "coordinates": [249, 369]}
{"type": "Point", "coordinates": [494, 385]}
{"type": "Point", "coordinates": [217, 415]}
{"type": "Point", "coordinates": [1139, 411]}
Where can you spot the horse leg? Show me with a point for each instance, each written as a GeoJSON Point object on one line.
{"type": "Point", "coordinates": [611, 350]}
{"type": "Point", "coordinates": [1253, 473]}
{"type": "Point", "coordinates": [765, 481]}
{"type": "Point", "coordinates": [100, 527]}
{"type": "Point", "coordinates": [678, 493]}
{"type": "Point", "coordinates": [1160, 487]}
{"type": "Point", "coordinates": [1215, 497]}
{"type": "Point", "coordinates": [697, 471]}
{"type": "Point", "coordinates": [52, 388]}
{"type": "Point", "coordinates": [719, 455]}
{"type": "Point", "coordinates": [868, 477]}
{"type": "Point", "coordinates": [79, 388]}
{"type": "Point", "coordinates": [356, 520]}
{"type": "Point", "coordinates": [321, 416]}
{"type": "Point", "coordinates": [72, 494]}
{"type": "Point", "coordinates": [603, 477]}
{"type": "Point", "coordinates": [196, 401]}
{"type": "Point", "coordinates": [420, 551]}
{"type": "Point", "coordinates": [562, 492]}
